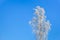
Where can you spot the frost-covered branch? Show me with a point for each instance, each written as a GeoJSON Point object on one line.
{"type": "Point", "coordinates": [39, 24]}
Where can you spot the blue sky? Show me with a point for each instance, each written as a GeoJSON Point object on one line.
{"type": "Point", "coordinates": [15, 15]}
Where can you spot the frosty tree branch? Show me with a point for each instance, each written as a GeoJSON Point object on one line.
{"type": "Point", "coordinates": [39, 24]}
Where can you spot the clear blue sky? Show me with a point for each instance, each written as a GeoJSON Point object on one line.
{"type": "Point", "coordinates": [15, 15]}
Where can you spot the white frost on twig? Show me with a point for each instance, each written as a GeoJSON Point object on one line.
{"type": "Point", "coordinates": [39, 24]}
